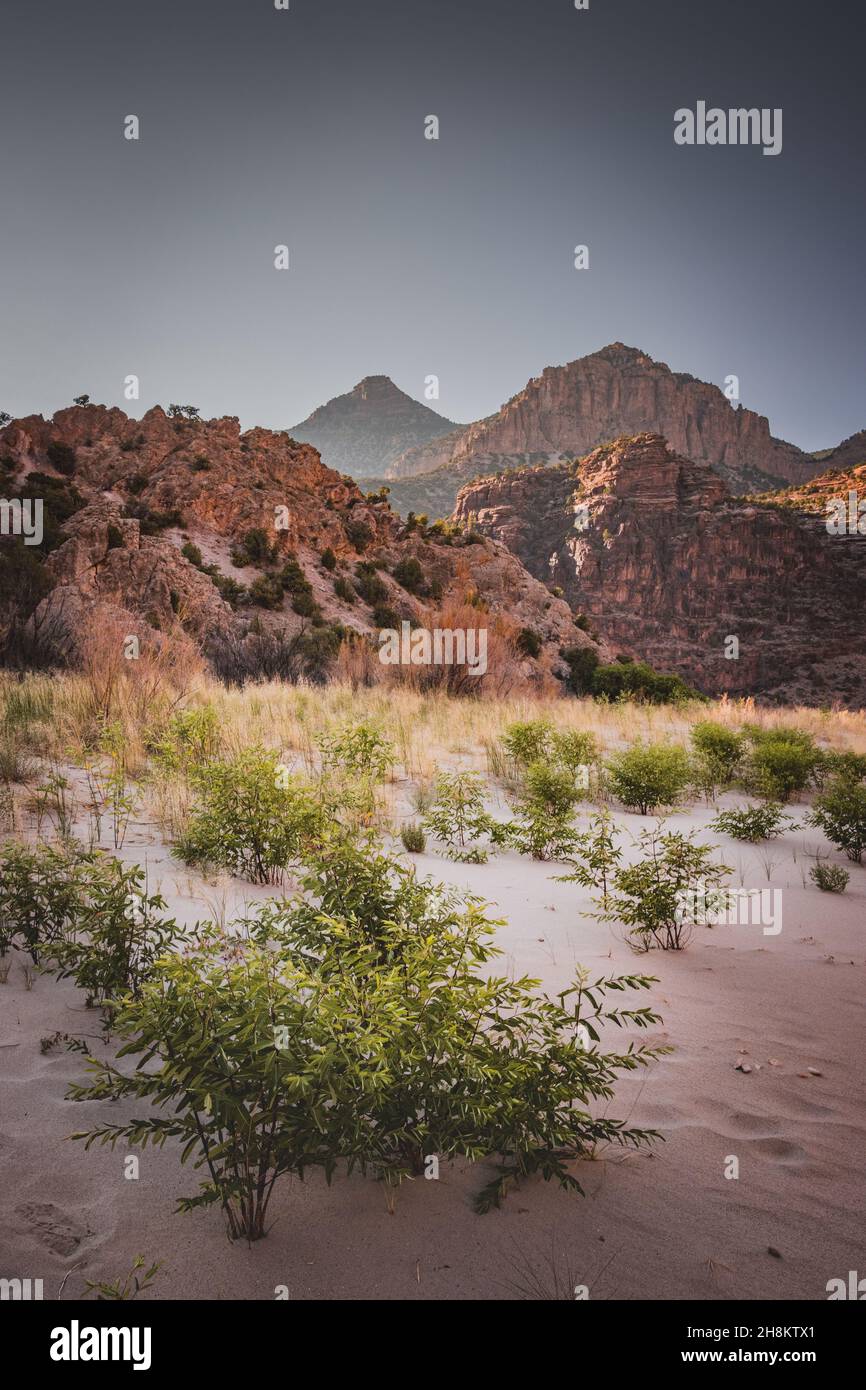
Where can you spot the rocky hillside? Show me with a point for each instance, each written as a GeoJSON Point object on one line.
{"type": "Point", "coordinates": [242, 544]}
{"type": "Point", "coordinates": [849, 454]}
{"type": "Point", "coordinates": [662, 558]}
{"type": "Point", "coordinates": [572, 409]}
{"type": "Point", "coordinates": [364, 431]}
{"type": "Point", "coordinates": [820, 495]}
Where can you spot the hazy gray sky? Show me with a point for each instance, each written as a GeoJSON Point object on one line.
{"type": "Point", "coordinates": [410, 256]}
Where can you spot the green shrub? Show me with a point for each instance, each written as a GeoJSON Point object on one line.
{"type": "Point", "coordinates": [233, 592]}
{"type": "Point", "coordinates": [595, 856]}
{"type": "Point", "coordinates": [344, 589]}
{"type": "Point", "coordinates": [41, 894]}
{"type": "Point", "coordinates": [266, 591]}
{"type": "Point", "coordinates": [782, 762]}
{"type": "Point", "coordinates": [753, 823]}
{"type": "Point", "coordinates": [359, 750]}
{"type": "Point", "coordinates": [635, 680]}
{"type": "Point", "coordinates": [372, 589]}
{"type": "Point", "coordinates": [457, 817]}
{"type": "Point", "coordinates": [536, 740]}
{"type": "Point", "coordinates": [359, 533]}
{"type": "Point", "coordinates": [329, 559]}
{"type": "Point", "coordinates": [61, 456]}
{"type": "Point", "coordinates": [830, 878]}
{"type": "Point", "coordinates": [192, 553]}
{"type": "Point", "coordinates": [414, 839]}
{"type": "Point", "coordinates": [529, 642]}
{"type": "Point", "coordinates": [254, 548]}
{"type": "Point", "coordinates": [649, 775]}
{"type": "Point", "coordinates": [386, 617]}
{"type": "Point", "coordinates": [116, 935]}
{"type": "Point", "coordinates": [527, 741]}
{"type": "Point", "coordinates": [544, 804]}
{"type": "Point", "coordinates": [657, 897]}
{"type": "Point", "coordinates": [574, 750]}
{"type": "Point", "coordinates": [189, 739]}
{"type": "Point", "coordinates": [841, 813]}
{"type": "Point", "coordinates": [307, 607]}
{"type": "Point", "coordinates": [851, 766]}
{"type": "Point", "coordinates": [410, 575]}
{"type": "Point", "coordinates": [582, 663]}
{"type": "Point", "coordinates": [252, 817]}
{"type": "Point", "coordinates": [293, 578]}
{"type": "Point", "coordinates": [718, 751]}
{"type": "Point", "coordinates": [362, 1025]}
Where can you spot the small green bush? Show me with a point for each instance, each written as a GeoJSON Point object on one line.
{"type": "Point", "coordinates": [192, 553]}
{"type": "Point", "coordinates": [414, 839]}
{"type": "Point", "coordinates": [830, 878]}
{"type": "Point", "coordinates": [753, 823]}
{"type": "Point", "coordinates": [595, 856]}
{"type": "Point", "coordinates": [329, 559]}
{"type": "Point", "coordinates": [41, 894]}
{"type": "Point", "coordinates": [251, 818]}
{"type": "Point", "coordinates": [410, 575]}
{"type": "Point", "coordinates": [293, 578]}
{"type": "Point", "coordinates": [656, 897]}
{"type": "Point", "coordinates": [841, 813]}
{"type": "Point", "coordinates": [307, 607]}
{"type": "Point", "coordinates": [344, 589]}
{"type": "Point", "coordinates": [544, 803]}
{"type": "Point", "coordinates": [648, 775]}
{"type": "Point", "coordinates": [266, 591]}
{"type": "Point", "coordinates": [359, 750]}
{"type": "Point", "coordinates": [61, 456]}
{"type": "Point", "coordinates": [527, 741]}
{"type": "Point", "coordinates": [254, 548]}
{"type": "Point", "coordinates": [782, 762]}
{"type": "Point", "coordinates": [718, 751]}
{"type": "Point", "coordinates": [457, 817]}
{"type": "Point", "coordinates": [116, 935]}
{"type": "Point", "coordinates": [372, 589]}
{"type": "Point", "coordinates": [360, 1024]}
{"type": "Point", "coordinates": [529, 642]}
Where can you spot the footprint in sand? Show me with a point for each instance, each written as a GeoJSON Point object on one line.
{"type": "Point", "coordinates": [52, 1227]}
{"type": "Point", "coordinates": [744, 1125]}
{"type": "Point", "coordinates": [781, 1151]}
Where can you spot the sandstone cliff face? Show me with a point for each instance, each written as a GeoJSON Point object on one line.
{"type": "Point", "coordinates": [665, 562]}
{"type": "Point", "coordinates": [365, 430]}
{"type": "Point", "coordinates": [146, 488]}
{"type": "Point", "coordinates": [621, 391]}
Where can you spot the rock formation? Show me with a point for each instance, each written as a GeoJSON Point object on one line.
{"type": "Point", "coordinates": [365, 430]}
{"type": "Point", "coordinates": [572, 409]}
{"type": "Point", "coordinates": [239, 541]}
{"type": "Point", "coordinates": [662, 558]}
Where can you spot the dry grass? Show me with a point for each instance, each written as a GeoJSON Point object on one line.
{"type": "Point", "coordinates": [57, 717]}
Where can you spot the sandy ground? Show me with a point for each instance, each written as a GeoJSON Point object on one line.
{"type": "Point", "coordinates": [667, 1225]}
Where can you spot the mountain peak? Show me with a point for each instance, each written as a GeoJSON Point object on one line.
{"type": "Point", "coordinates": [364, 430]}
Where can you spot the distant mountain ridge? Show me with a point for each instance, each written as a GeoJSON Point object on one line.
{"type": "Point", "coordinates": [618, 391]}
{"type": "Point", "coordinates": [364, 431]}
{"type": "Point", "coordinates": [661, 557]}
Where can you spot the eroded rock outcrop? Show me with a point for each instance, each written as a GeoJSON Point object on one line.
{"type": "Point", "coordinates": [668, 564]}
{"type": "Point", "coordinates": [180, 524]}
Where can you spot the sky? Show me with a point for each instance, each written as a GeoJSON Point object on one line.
{"type": "Point", "coordinates": [412, 257]}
